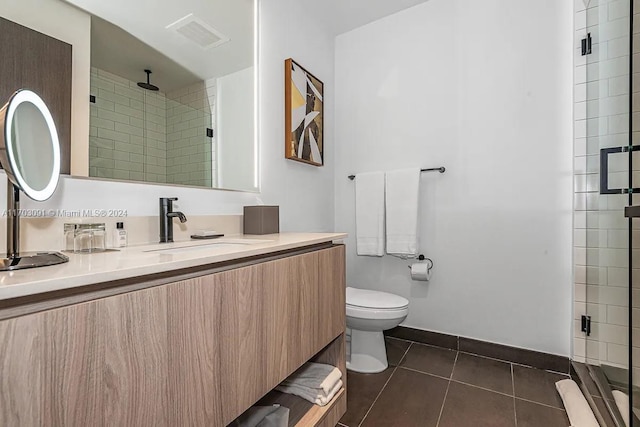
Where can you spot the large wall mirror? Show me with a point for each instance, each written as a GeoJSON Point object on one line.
{"type": "Point", "coordinates": [172, 91]}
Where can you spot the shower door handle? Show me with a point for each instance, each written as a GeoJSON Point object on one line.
{"type": "Point", "coordinates": [604, 170]}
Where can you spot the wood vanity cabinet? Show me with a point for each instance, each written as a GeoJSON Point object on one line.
{"type": "Point", "coordinates": [196, 352]}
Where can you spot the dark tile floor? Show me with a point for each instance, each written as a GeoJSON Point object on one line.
{"type": "Point", "coordinates": [435, 387]}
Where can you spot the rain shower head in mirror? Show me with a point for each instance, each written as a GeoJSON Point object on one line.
{"type": "Point", "coordinates": [148, 85]}
{"type": "Point", "coordinates": [30, 156]}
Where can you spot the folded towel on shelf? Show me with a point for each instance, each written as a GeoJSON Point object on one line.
{"type": "Point", "coordinates": [310, 394]}
{"type": "Point", "coordinates": [316, 376]}
{"type": "Point", "coordinates": [370, 214]}
{"type": "Point", "coordinates": [263, 416]}
{"type": "Point", "coordinates": [401, 202]}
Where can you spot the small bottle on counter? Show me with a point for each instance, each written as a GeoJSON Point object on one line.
{"type": "Point", "coordinates": [119, 236]}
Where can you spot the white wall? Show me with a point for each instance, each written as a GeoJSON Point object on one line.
{"type": "Point", "coordinates": [58, 19]}
{"type": "Point", "coordinates": [484, 89]}
{"type": "Point", "coordinates": [235, 131]}
{"type": "Point", "coordinates": [288, 30]}
{"type": "Point", "coordinates": [304, 193]}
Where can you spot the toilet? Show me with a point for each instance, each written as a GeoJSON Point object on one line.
{"type": "Point", "coordinates": [368, 314]}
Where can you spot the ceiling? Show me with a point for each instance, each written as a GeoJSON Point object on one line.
{"type": "Point", "coordinates": [340, 16]}
{"type": "Point", "coordinates": [147, 20]}
{"type": "Point", "coordinates": [130, 36]}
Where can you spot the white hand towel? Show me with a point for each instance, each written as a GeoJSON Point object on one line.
{"type": "Point", "coordinates": [578, 410]}
{"type": "Point", "coordinates": [311, 395]}
{"type": "Point", "coordinates": [370, 214]}
{"type": "Point", "coordinates": [317, 376]}
{"type": "Point", "coordinates": [402, 189]}
{"type": "Point", "coordinates": [325, 399]}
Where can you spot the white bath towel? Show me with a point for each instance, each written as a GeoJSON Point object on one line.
{"type": "Point", "coordinates": [318, 376]}
{"type": "Point", "coordinates": [578, 409]}
{"type": "Point", "coordinates": [311, 395]}
{"type": "Point", "coordinates": [402, 189]}
{"type": "Point", "coordinates": [370, 214]}
{"type": "Point", "coordinates": [622, 402]}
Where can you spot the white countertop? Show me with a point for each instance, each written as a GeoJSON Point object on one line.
{"type": "Point", "coordinates": [89, 269]}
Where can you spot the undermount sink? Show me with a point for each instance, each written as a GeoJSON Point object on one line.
{"type": "Point", "coordinates": [240, 241]}
{"type": "Point", "coordinates": [220, 244]}
{"type": "Point", "coordinates": [208, 247]}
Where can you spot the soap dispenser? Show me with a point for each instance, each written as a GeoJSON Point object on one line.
{"type": "Point", "coordinates": [119, 236]}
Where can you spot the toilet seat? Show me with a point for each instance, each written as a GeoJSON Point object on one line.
{"type": "Point", "coordinates": [375, 300]}
{"type": "Point", "coordinates": [373, 314]}
{"type": "Point", "coordinates": [375, 305]}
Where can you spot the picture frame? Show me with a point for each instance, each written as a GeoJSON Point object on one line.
{"type": "Point", "coordinates": [304, 115]}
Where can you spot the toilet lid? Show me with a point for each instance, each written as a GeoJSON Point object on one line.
{"type": "Point", "coordinates": [374, 299]}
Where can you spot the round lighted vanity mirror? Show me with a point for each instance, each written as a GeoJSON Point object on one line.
{"type": "Point", "coordinates": [30, 156]}
{"type": "Point", "coordinates": [30, 146]}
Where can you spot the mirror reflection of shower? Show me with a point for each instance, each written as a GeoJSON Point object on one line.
{"type": "Point", "coordinates": [158, 130]}
{"type": "Point", "coordinates": [177, 117]}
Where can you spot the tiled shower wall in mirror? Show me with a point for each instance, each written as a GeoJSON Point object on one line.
{"type": "Point", "coordinates": [136, 134]}
{"type": "Point", "coordinates": [190, 153]}
{"type": "Point", "coordinates": [601, 233]}
{"type": "Point", "coordinates": [119, 123]}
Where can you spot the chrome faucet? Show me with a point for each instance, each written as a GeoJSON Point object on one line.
{"type": "Point", "coordinates": [166, 218]}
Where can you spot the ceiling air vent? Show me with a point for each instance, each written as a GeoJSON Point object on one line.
{"type": "Point", "coordinates": [199, 32]}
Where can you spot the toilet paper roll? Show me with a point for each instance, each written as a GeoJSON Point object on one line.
{"type": "Point", "coordinates": [420, 271]}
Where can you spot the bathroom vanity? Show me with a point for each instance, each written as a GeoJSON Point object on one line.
{"type": "Point", "coordinates": [173, 335]}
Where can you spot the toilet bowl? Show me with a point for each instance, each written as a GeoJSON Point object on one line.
{"type": "Point", "coordinates": [368, 314]}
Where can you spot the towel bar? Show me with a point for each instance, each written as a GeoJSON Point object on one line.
{"type": "Point", "coordinates": [441, 169]}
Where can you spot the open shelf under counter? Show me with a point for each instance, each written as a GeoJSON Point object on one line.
{"type": "Point", "coordinates": [303, 413]}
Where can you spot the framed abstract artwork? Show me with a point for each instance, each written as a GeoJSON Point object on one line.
{"type": "Point", "coordinates": [304, 118]}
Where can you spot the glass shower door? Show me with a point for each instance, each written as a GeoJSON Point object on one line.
{"type": "Point", "coordinates": [604, 182]}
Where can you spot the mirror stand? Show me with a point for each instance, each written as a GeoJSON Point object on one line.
{"type": "Point", "coordinates": [13, 220]}
{"type": "Point", "coordinates": [15, 260]}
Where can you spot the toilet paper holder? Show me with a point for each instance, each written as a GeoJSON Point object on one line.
{"type": "Point", "coordinates": [423, 258]}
